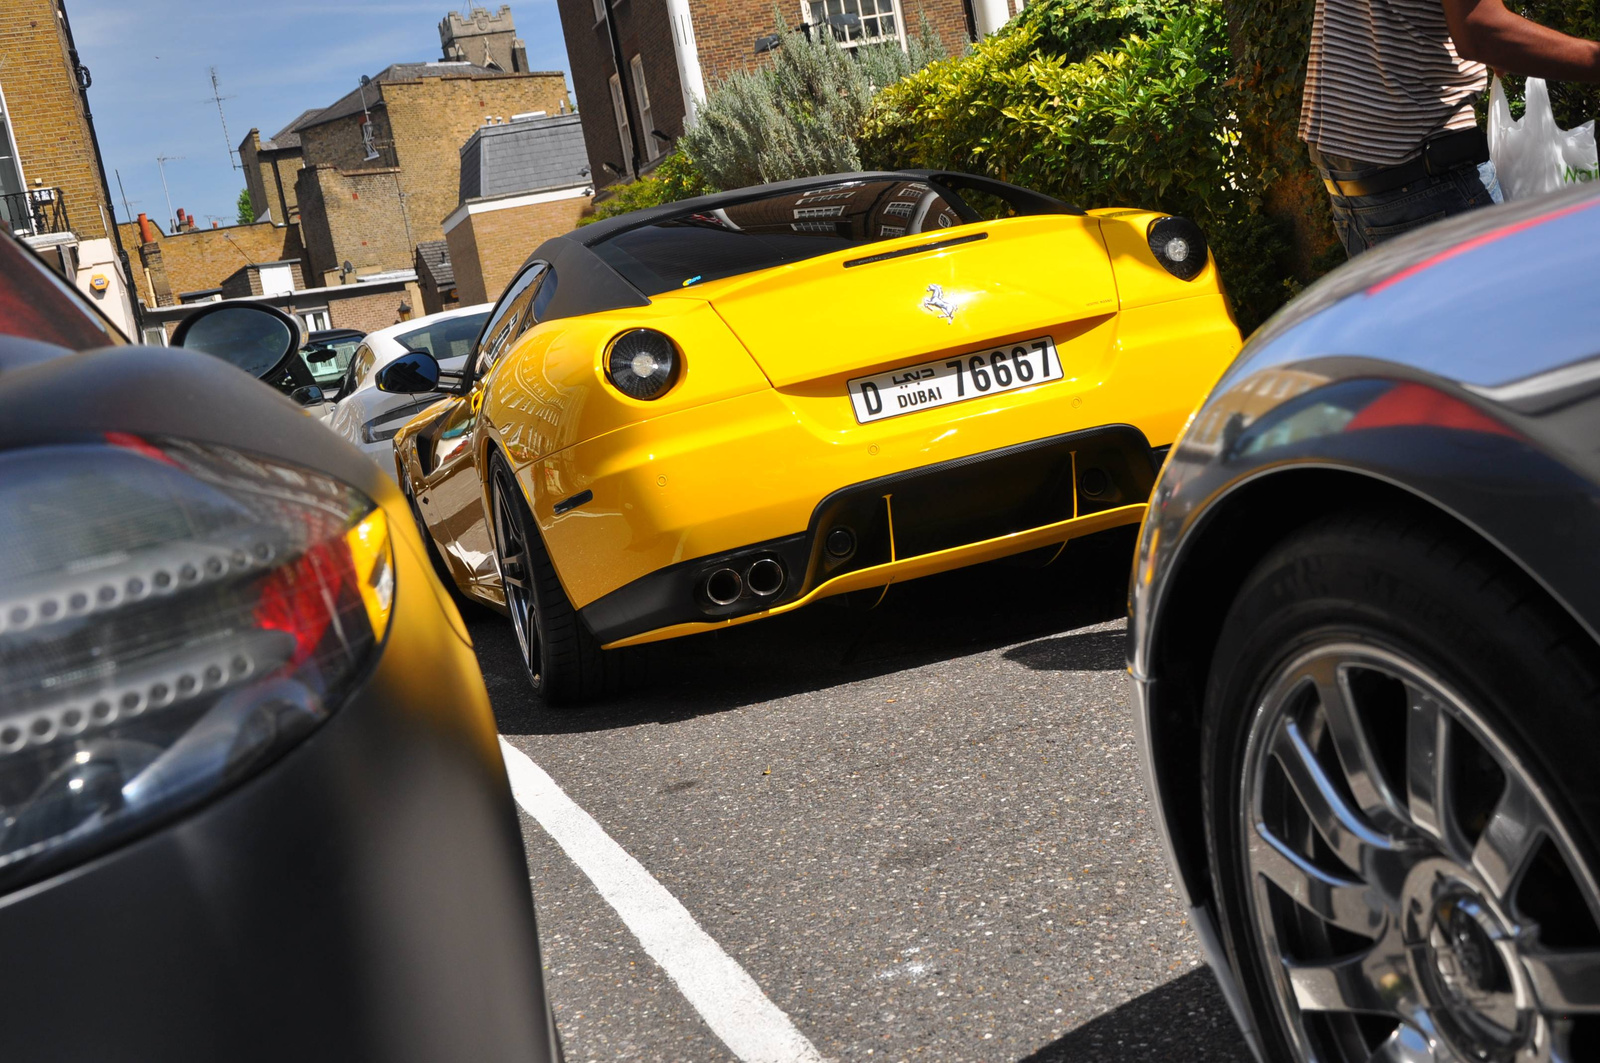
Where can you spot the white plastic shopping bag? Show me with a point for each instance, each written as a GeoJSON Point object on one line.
{"type": "Point", "coordinates": [1533, 155]}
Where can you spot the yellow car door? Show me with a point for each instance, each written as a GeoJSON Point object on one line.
{"type": "Point", "coordinates": [452, 486]}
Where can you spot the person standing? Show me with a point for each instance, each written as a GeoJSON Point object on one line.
{"type": "Point", "coordinates": [1387, 114]}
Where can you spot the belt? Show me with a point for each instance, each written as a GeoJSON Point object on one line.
{"type": "Point", "coordinates": [1440, 155]}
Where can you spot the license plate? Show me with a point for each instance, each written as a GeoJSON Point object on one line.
{"type": "Point", "coordinates": [957, 379]}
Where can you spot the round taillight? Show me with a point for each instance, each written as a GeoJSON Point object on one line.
{"type": "Point", "coordinates": [643, 363]}
{"type": "Point", "coordinates": [1179, 246]}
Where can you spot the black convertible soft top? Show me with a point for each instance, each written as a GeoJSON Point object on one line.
{"type": "Point", "coordinates": [587, 284]}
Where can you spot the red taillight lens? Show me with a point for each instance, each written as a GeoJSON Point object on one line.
{"type": "Point", "coordinates": [172, 617]}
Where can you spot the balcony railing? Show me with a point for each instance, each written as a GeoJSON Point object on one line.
{"type": "Point", "coordinates": [35, 211]}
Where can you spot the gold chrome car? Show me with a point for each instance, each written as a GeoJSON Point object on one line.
{"type": "Point", "coordinates": [726, 408]}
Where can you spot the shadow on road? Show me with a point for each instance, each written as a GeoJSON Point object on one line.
{"type": "Point", "coordinates": [1185, 1019]}
{"type": "Point", "coordinates": [1091, 651]}
{"type": "Point", "coordinates": [838, 641]}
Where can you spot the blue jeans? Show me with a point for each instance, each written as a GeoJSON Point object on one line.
{"type": "Point", "coordinates": [1363, 222]}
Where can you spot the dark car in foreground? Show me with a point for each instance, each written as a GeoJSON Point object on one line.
{"type": "Point", "coordinates": [1363, 640]}
{"type": "Point", "coordinates": [252, 804]}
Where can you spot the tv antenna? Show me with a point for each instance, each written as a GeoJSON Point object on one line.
{"type": "Point", "coordinates": [217, 97]}
{"type": "Point", "coordinates": [127, 211]}
{"type": "Point", "coordinates": [161, 161]}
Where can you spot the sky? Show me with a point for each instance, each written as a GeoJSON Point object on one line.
{"type": "Point", "coordinates": [151, 94]}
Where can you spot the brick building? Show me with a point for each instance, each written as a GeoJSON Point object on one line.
{"type": "Point", "coordinates": [190, 266]}
{"type": "Point", "coordinates": [381, 165]}
{"type": "Point", "coordinates": [639, 68]}
{"type": "Point", "coordinates": [53, 191]}
{"type": "Point", "coordinates": [271, 165]}
{"type": "Point", "coordinates": [521, 182]}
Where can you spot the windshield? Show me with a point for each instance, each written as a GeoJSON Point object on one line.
{"type": "Point", "coordinates": [450, 338]}
{"type": "Point", "coordinates": [330, 368]}
{"type": "Point", "coordinates": [694, 248]}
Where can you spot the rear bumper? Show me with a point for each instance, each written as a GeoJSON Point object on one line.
{"type": "Point", "coordinates": [365, 898]}
{"type": "Point", "coordinates": [901, 526]}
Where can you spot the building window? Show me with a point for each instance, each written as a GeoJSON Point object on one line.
{"type": "Point", "coordinates": [154, 336]}
{"type": "Point", "coordinates": [819, 212]}
{"type": "Point", "coordinates": [856, 22]}
{"type": "Point", "coordinates": [599, 10]}
{"type": "Point", "coordinates": [652, 147]}
{"type": "Point", "coordinates": [314, 320]}
{"type": "Point", "coordinates": [619, 108]}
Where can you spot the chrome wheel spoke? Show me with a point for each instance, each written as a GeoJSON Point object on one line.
{"type": "Point", "coordinates": [1509, 840]}
{"type": "Point", "coordinates": [1406, 1045]}
{"type": "Point", "coordinates": [1350, 984]}
{"type": "Point", "coordinates": [1567, 982]}
{"type": "Point", "coordinates": [512, 570]}
{"type": "Point", "coordinates": [1340, 901]}
{"type": "Point", "coordinates": [1436, 857]}
{"type": "Point", "coordinates": [1351, 741]}
{"type": "Point", "coordinates": [1344, 829]}
{"type": "Point", "coordinates": [1428, 766]}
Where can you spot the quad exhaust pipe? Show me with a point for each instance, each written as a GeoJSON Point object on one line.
{"type": "Point", "coordinates": [762, 578]}
{"type": "Point", "coordinates": [723, 587]}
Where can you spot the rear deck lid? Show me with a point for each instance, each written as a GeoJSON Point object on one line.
{"type": "Point", "coordinates": [862, 274]}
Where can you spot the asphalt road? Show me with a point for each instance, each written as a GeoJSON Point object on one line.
{"type": "Point", "coordinates": [919, 827]}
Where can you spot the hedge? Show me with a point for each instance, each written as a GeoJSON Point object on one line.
{"type": "Point", "coordinates": [1102, 104]}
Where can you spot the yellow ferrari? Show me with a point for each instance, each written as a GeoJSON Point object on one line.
{"type": "Point", "coordinates": [726, 408]}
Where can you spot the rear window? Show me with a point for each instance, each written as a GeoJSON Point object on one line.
{"type": "Point", "coordinates": [694, 248]}
{"type": "Point", "coordinates": [450, 338]}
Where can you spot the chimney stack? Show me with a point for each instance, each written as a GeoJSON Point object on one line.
{"type": "Point", "coordinates": [146, 236]}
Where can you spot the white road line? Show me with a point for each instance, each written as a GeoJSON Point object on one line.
{"type": "Point", "coordinates": [729, 1000]}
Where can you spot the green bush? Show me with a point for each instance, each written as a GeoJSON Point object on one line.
{"type": "Point", "coordinates": [800, 115]}
{"type": "Point", "coordinates": [674, 178]}
{"type": "Point", "coordinates": [1102, 104]}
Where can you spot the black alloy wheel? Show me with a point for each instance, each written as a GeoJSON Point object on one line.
{"type": "Point", "coordinates": [1400, 731]}
{"type": "Point", "coordinates": [564, 661]}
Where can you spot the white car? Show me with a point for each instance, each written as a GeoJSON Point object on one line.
{"type": "Point", "coordinates": [369, 418]}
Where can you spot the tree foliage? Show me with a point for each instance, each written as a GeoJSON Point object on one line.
{"type": "Point", "coordinates": [1103, 104]}
{"type": "Point", "coordinates": [247, 210]}
{"type": "Point", "coordinates": [802, 114]}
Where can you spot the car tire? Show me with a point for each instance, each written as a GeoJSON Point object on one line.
{"type": "Point", "coordinates": [563, 659]}
{"type": "Point", "coordinates": [1403, 685]}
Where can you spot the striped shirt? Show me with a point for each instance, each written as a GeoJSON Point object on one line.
{"type": "Point", "coordinates": [1383, 77]}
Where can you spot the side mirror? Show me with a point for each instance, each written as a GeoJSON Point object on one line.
{"type": "Point", "coordinates": [310, 395]}
{"type": "Point", "coordinates": [256, 337]}
{"type": "Point", "coordinates": [320, 354]}
{"type": "Point", "coordinates": [410, 374]}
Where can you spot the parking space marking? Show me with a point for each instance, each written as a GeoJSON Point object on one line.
{"type": "Point", "coordinates": [724, 994]}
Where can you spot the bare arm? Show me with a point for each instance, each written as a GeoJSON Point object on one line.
{"type": "Point", "coordinates": [1485, 31]}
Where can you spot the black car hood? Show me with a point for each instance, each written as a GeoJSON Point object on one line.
{"type": "Point", "coordinates": [49, 394]}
